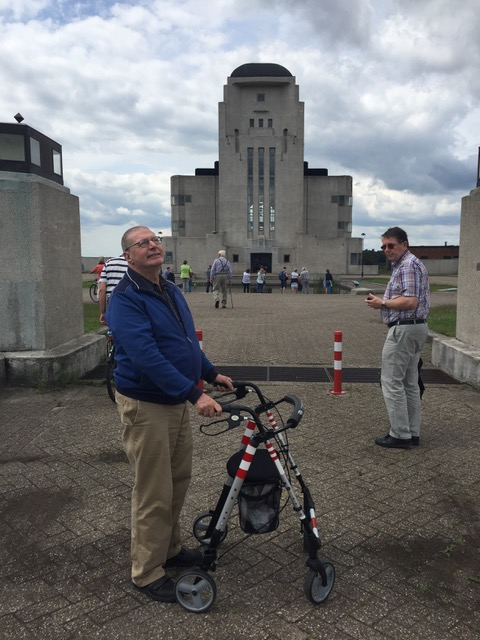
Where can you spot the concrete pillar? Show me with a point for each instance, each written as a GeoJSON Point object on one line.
{"type": "Point", "coordinates": [42, 305]}
{"type": "Point", "coordinates": [460, 356]}
{"type": "Point", "coordinates": [41, 316]}
{"type": "Point", "coordinates": [468, 297]}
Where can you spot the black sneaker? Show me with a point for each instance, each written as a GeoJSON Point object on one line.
{"type": "Point", "coordinates": [217, 304]}
{"type": "Point", "coordinates": [394, 443]}
{"type": "Point", "coordinates": [185, 558]}
{"type": "Point", "coordinates": [415, 441]}
{"type": "Point", "coordinates": [162, 590]}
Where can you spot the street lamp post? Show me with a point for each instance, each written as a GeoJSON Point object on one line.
{"type": "Point", "coordinates": [361, 259]}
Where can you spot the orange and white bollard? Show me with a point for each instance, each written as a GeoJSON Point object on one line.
{"type": "Point", "coordinates": [200, 340]}
{"type": "Point", "coordinates": [337, 364]}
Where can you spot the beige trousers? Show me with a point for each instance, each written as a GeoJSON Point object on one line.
{"type": "Point", "coordinates": [220, 289]}
{"type": "Point", "coordinates": [158, 442]}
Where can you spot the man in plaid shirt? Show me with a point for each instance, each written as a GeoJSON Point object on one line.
{"type": "Point", "coordinates": [404, 309]}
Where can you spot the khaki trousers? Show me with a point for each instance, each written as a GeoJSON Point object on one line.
{"type": "Point", "coordinates": [220, 289]}
{"type": "Point", "coordinates": [158, 442]}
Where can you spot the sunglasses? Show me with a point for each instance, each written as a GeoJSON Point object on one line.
{"type": "Point", "coordinates": [390, 245]}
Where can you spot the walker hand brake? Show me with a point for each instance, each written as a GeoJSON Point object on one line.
{"type": "Point", "coordinates": [233, 419]}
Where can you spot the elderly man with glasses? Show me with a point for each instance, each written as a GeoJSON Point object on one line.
{"type": "Point", "coordinates": [404, 309]}
{"type": "Point", "coordinates": [159, 365]}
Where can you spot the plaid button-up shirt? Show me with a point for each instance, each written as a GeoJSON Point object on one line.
{"type": "Point", "coordinates": [409, 278]}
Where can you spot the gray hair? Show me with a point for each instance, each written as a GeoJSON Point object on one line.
{"type": "Point", "coordinates": [126, 235]}
{"type": "Point", "coordinates": [221, 252]}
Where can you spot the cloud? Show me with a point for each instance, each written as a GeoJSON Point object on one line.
{"type": "Point", "coordinates": [391, 91]}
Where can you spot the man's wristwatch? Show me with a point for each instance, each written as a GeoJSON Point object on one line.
{"type": "Point", "coordinates": [383, 305]}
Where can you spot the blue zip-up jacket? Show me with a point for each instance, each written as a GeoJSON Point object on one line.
{"type": "Point", "coordinates": [157, 353]}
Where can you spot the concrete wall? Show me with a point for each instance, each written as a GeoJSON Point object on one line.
{"type": "Point", "coordinates": [441, 267]}
{"type": "Point", "coordinates": [468, 296]}
{"type": "Point", "coordinates": [60, 365]}
{"type": "Point", "coordinates": [199, 216]}
{"type": "Point", "coordinates": [457, 358]}
{"type": "Point", "coordinates": [40, 288]}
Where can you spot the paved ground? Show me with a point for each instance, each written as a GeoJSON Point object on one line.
{"type": "Point", "coordinates": [401, 527]}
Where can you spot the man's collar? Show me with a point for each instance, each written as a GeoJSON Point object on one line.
{"type": "Point", "coordinates": [141, 281]}
{"type": "Point", "coordinates": [397, 262]}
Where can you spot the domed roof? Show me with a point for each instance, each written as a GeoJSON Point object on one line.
{"type": "Point", "coordinates": [261, 69]}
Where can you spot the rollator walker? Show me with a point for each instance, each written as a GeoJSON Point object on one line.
{"type": "Point", "coordinates": [256, 477]}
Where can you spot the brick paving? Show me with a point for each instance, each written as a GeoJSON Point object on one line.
{"type": "Point", "coordinates": [401, 527]}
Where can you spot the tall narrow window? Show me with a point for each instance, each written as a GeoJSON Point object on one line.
{"type": "Point", "coordinates": [251, 123]}
{"type": "Point", "coordinates": [35, 151]}
{"type": "Point", "coordinates": [250, 192]}
{"type": "Point", "coordinates": [270, 123]}
{"type": "Point", "coordinates": [237, 141]}
{"type": "Point", "coordinates": [271, 186]}
{"type": "Point", "coordinates": [57, 162]}
{"type": "Point", "coordinates": [285, 140]}
{"type": "Point", "coordinates": [261, 190]}
{"type": "Point", "coordinates": [260, 123]}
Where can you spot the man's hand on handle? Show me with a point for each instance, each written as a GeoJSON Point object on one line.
{"type": "Point", "coordinates": [207, 406]}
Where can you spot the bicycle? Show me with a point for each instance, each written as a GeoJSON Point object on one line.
{"type": "Point", "coordinates": [94, 291]}
{"type": "Point", "coordinates": [110, 366]}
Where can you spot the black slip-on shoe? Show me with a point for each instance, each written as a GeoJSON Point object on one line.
{"type": "Point", "coordinates": [393, 443]}
{"type": "Point", "coordinates": [217, 304]}
{"type": "Point", "coordinates": [185, 558]}
{"type": "Point", "coordinates": [162, 590]}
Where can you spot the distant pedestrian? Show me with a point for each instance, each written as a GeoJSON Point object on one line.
{"type": "Point", "coordinates": [261, 276]}
{"type": "Point", "coordinates": [283, 277]}
{"type": "Point", "coordinates": [169, 275]}
{"type": "Point", "coordinates": [97, 270]}
{"type": "Point", "coordinates": [185, 276]}
{"type": "Point", "coordinates": [221, 275]}
{"type": "Point", "coordinates": [328, 282]}
{"type": "Point", "coordinates": [113, 271]}
{"type": "Point", "coordinates": [208, 274]}
{"type": "Point", "coordinates": [294, 281]}
{"type": "Point", "coordinates": [246, 281]}
{"type": "Point", "coordinates": [305, 280]}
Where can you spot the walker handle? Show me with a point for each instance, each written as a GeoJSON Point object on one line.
{"type": "Point", "coordinates": [297, 413]}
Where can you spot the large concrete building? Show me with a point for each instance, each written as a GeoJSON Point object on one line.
{"type": "Point", "coordinates": [260, 201]}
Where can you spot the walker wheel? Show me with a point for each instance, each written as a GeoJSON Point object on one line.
{"type": "Point", "coordinates": [315, 591]}
{"type": "Point", "coordinates": [196, 590]}
{"type": "Point", "coordinates": [201, 525]}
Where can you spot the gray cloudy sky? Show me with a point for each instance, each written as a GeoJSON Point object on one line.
{"type": "Point", "coordinates": [131, 90]}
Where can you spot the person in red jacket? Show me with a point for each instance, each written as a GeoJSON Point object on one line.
{"type": "Point", "coordinates": [99, 268]}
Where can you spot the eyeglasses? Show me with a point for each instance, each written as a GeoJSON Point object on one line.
{"type": "Point", "coordinates": [144, 243]}
{"type": "Point", "coordinates": [390, 245]}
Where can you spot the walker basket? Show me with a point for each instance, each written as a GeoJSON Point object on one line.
{"type": "Point", "coordinates": [259, 507]}
{"type": "Point", "coordinates": [260, 495]}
